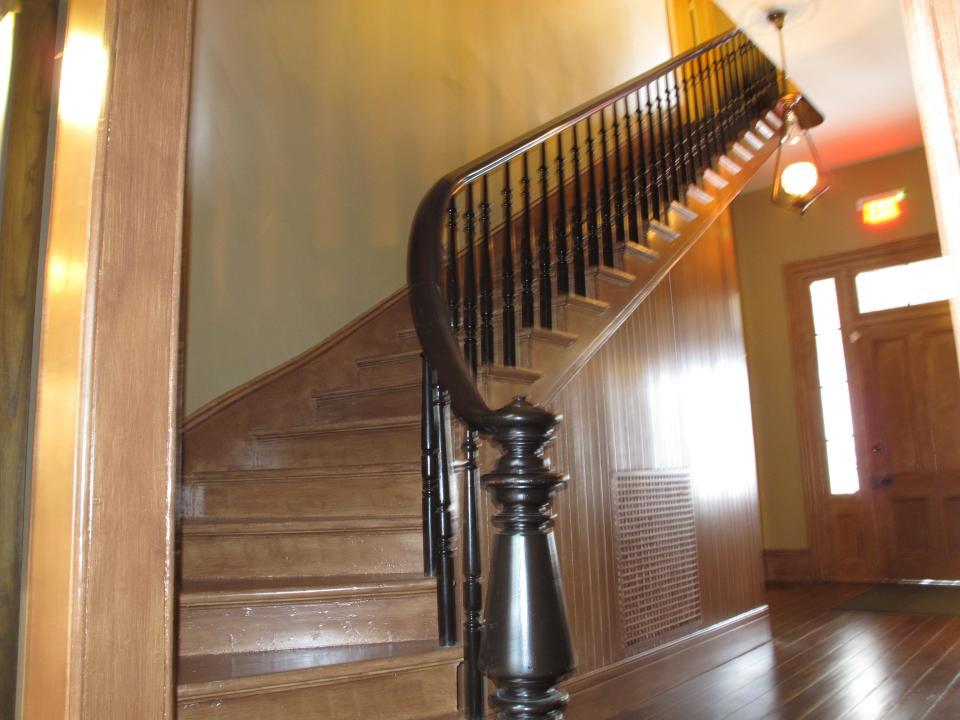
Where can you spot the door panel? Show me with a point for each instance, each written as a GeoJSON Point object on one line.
{"type": "Point", "coordinates": [910, 386]}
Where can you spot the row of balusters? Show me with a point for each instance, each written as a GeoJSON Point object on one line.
{"type": "Point", "coordinates": [583, 194]}
{"type": "Point", "coordinates": [619, 170]}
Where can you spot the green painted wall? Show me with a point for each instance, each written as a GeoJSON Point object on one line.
{"type": "Point", "coordinates": [317, 125]}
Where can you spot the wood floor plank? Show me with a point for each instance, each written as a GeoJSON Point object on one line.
{"type": "Point", "coordinates": [827, 664]}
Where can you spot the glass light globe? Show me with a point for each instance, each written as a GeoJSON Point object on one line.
{"type": "Point", "coordinates": [799, 178]}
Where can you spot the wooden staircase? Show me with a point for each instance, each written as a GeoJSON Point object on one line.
{"type": "Point", "coordinates": [302, 586]}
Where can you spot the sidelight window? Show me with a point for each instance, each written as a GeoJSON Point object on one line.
{"type": "Point", "coordinates": [835, 405]}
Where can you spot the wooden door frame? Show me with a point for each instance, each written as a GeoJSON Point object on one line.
{"type": "Point", "coordinates": [933, 40]}
{"type": "Point", "coordinates": [98, 638]}
{"type": "Point", "coordinates": [797, 278]}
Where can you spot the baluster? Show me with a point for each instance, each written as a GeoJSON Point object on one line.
{"type": "Point", "coordinates": [672, 138]}
{"type": "Point", "coordinates": [446, 579]}
{"type": "Point", "coordinates": [428, 470]}
{"type": "Point", "coordinates": [638, 213]}
{"type": "Point", "coordinates": [663, 161]}
{"type": "Point", "coordinates": [560, 232]}
{"type": "Point", "coordinates": [718, 145]}
{"type": "Point", "coordinates": [721, 68]}
{"type": "Point", "coordinates": [593, 230]}
{"type": "Point", "coordinates": [579, 269]}
{"type": "Point", "coordinates": [700, 105]}
{"type": "Point", "coordinates": [686, 128]}
{"type": "Point", "coordinates": [506, 270]}
{"type": "Point", "coordinates": [543, 243]}
{"type": "Point", "coordinates": [741, 74]}
{"type": "Point", "coordinates": [730, 120]}
{"type": "Point", "coordinates": [673, 132]}
{"type": "Point", "coordinates": [526, 252]}
{"type": "Point", "coordinates": [646, 160]}
{"type": "Point", "coordinates": [605, 197]}
{"type": "Point", "coordinates": [526, 646]}
{"type": "Point", "coordinates": [453, 283]}
{"type": "Point", "coordinates": [472, 588]}
{"type": "Point", "coordinates": [618, 206]}
{"type": "Point", "coordinates": [470, 286]}
{"type": "Point", "coordinates": [486, 280]}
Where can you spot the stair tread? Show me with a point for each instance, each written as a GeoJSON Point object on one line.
{"type": "Point", "coordinates": [324, 428]}
{"type": "Point", "coordinates": [253, 526]}
{"type": "Point", "coordinates": [297, 473]}
{"type": "Point", "coordinates": [204, 675]}
{"type": "Point", "coordinates": [272, 590]}
{"type": "Point", "coordinates": [583, 301]}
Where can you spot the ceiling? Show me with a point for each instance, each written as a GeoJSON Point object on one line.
{"type": "Point", "coordinates": [849, 57]}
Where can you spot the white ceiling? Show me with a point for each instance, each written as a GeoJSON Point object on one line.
{"type": "Point", "coordinates": [849, 57]}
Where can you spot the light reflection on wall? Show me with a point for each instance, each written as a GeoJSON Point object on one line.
{"type": "Point", "coordinates": [64, 275]}
{"type": "Point", "coordinates": [83, 79]}
{"type": "Point", "coordinates": [7, 24]}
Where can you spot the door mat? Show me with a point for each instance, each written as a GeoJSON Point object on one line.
{"type": "Point", "coordinates": [923, 599]}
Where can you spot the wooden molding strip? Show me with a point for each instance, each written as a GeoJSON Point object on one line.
{"type": "Point", "coordinates": [676, 661]}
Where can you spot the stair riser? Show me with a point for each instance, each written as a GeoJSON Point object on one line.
{"type": "Point", "coordinates": [346, 621]}
{"type": "Point", "coordinates": [381, 445]}
{"type": "Point", "coordinates": [301, 554]}
{"type": "Point", "coordinates": [389, 402]}
{"type": "Point", "coordinates": [407, 695]}
{"type": "Point", "coordinates": [573, 319]}
{"type": "Point", "coordinates": [372, 496]}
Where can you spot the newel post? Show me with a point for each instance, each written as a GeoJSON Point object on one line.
{"type": "Point", "coordinates": [526, 642]}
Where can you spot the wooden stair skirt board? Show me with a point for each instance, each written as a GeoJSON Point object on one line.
{"type": "Point", "coordinates": [395, 681]}
{"type": "Point", "coordinates": [614, 690]}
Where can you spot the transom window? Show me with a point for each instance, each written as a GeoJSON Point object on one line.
{"type": "Point", "coordinates": [897, 286]}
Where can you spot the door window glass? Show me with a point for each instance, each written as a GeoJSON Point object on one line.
{"type": "Point", "coordinates": [834, 390]}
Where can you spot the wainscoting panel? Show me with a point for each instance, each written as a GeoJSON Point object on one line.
{"type": "Point", "coordinates": [668, 390]}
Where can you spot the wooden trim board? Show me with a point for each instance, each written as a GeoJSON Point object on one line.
{"type": "Point", "coordinates": [99, 603]}
{"type": "Point", "coordinates": [788, 565]}
{"type": "Point", "coordinates": [618, 688]}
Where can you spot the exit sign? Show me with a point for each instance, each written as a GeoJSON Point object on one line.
{"type": "Point", "coordinates": [881, 208]}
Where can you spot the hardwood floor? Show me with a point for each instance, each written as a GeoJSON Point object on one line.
{"type": "Point", "coordinates": [826, 664]}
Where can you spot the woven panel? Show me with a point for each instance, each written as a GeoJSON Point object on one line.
{"type": "Point", "coordinates": [657, 572]}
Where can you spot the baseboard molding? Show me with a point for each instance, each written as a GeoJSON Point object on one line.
{"type": "Point", "coordinates": [614, 689]}
{"type": "Point", "coordinates": [788, 565]}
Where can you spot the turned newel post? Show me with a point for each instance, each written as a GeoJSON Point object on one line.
{"type": "Point", "coordinates": [526, 643]}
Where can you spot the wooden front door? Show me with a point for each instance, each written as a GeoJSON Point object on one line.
{"type": "Point", "coordinates": [909, 438]}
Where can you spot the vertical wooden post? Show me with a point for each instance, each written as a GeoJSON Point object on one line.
{"type": "Point", "coordinates": [526, 647]}
{"type": "Point", "coordinates": [99, 631]}
{"type": "Point", "coordinates": [933, 39]}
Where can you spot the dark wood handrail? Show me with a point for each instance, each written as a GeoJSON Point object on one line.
{"type": "Point", "coordinates": [425, 258]}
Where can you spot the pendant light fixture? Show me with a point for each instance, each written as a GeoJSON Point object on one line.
{"type": "Point", "coordinates": [798, 177]}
